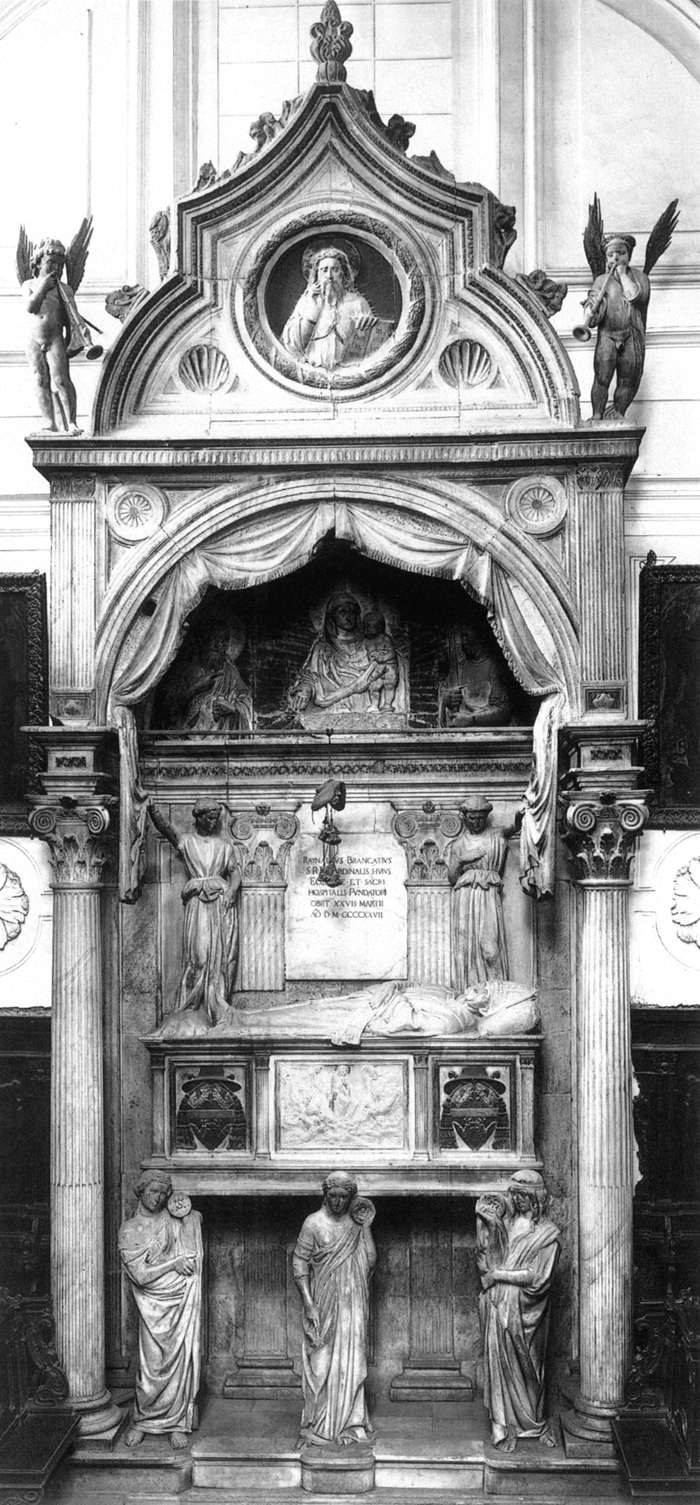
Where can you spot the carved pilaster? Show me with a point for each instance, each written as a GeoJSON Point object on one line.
{"type": "Point", "coordinates": [72, 597]}
{"type": "Point", "coordinates": [601, 831]}
{"type": "Point", "coordinates": [265, 837]}
{"type": "Point", "coordinates": [424, 835]}
{"type": "Point", "coordinates": [77, 837]}
{"type": "Point", "coordinates": [600, 579]}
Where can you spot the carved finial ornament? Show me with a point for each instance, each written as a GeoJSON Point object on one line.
{"type": "Point", "coordinates": [330, 45]}
{"type": "Point", "coordinates": [601, 834]}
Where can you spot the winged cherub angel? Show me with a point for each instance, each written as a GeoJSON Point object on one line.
{"type": "Point", "coordinates": [617, 307]}
{"type": "Point", "coordinates": [55, 328]}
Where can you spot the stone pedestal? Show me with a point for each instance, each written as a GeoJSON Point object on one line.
{"type": "Point", "coordinates": [337, 1470]}
{"type": "Point", "coordinates": [601, 833]}
{"type": "Point", "coordinates": [76, 839]}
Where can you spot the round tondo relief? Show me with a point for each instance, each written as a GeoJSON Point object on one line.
{"type": "Point", "coordinates": [329, 307]}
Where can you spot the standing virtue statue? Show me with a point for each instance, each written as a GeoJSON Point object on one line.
{"type": "Point", "coordinates": [161, 1251]}
{"type": "Point", "coordinates": [517, 1253]}
{"type": "Point", "coordinates": [210, 935]}
{"type": "Point", "coordinates": [476, 862]}
{"type": "Point", "coordinates": [617, 306]}
{"type": "Point", "coordinates": [55, 329]}
{"type": "Point", "coordinates": [332, 1265]}
{"type": "Point", "coordinates": [332, 324]}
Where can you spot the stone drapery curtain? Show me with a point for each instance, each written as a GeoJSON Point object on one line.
{"type": "Point", "coordinates": [277, 544]}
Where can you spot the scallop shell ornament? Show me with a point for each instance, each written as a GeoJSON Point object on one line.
{"type": "Point", "coordinates": [685, 907]}
{"type": "Point", "coordinates": [204, 368]}
{"type": "Point", "coordinates": [466, 363]}
{"type": "Point", "coordinates": [14, 906]}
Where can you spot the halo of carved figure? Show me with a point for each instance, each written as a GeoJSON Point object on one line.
{"type": "Point", "coordinates": [14, 906]}
{"type": "Point", "coordinates": [204, 368]}
{"type": "Point", "coordinates": [466, 363]}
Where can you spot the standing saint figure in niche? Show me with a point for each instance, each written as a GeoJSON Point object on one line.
{"type": "Point", "coordinates": [332, 324]}
{"type": "Point", "coordinates": [161, 1251]}
{"type": "Point", "coordinates": [353, 663]}
{"type": "Point", "coordinates": [210, 935]}
{"type": "Point", "coordinates": [220, 700]}
{"type": "Point", "coordinates": [475, 692]}
{"type": "Point", "coordinates": [517, 1254]}
{"type": "Point", "coordinates": [332, 1265]}
{"type": "Point", "coordinates": [476, 862]}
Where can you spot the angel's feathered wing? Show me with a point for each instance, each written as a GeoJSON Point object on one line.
{"type": "Point", "coordinates": [25, 252]}
{"type": "Point", "coordinates": [593, 239]}
{"type": "Point", "coordinates": [660, 235]}
{"type": "Point", "coordinates": [77, 254]}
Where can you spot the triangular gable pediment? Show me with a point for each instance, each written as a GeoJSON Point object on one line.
{"type": "Point", "coordinates": [427, 330]}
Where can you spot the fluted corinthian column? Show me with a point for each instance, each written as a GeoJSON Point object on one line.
{"type": "Point", "coordinates": [76, 839]}
{"type": "Point", "coordinates": [601, 833]}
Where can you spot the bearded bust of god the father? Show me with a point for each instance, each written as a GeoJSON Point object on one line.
{"type": "Point", "coordinates": [332, 324]}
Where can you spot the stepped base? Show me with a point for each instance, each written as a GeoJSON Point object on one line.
{"type": "Point", "coordinates": [337, 1471]}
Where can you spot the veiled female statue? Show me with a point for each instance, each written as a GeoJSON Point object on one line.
{"type": "Point", "coordinates": [161, 1253]}
{"type": "Point", "coordinates": [333, 1263]}
{"type": "Point", "coordinates": [517, 1253]}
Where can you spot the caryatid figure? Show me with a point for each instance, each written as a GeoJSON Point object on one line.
{"type": "Point", "coordinates": [210, 935]}
{"type": "Point", "coordinates": [517, 1254]}
{"type": "Point", "coordinates": [333, 1263]}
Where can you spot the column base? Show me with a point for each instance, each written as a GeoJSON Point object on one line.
{"type": "Point", "coordinates": [439, 1379]}
{"type": "Point", "coordinates": [100, 1419]}
{"type": "Point", "coordinates": [337, 1470]}
{"type": "Point", "coordinates": [587, 1430]}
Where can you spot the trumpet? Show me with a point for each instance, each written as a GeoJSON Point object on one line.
{"type": "Point", "coordinates": [583, 331]}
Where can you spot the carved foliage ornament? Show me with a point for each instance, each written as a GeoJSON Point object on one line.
{"type": "Point", "coordinates": [330, 45]}
{"type": "Point", "coordinates": [77, 841]}
{"type": "Point", "coordinates": [601, 835]}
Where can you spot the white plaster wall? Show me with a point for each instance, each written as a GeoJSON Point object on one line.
{"type": "Point", "coordinates": [109, 108]}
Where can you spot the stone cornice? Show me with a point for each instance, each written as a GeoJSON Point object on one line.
{"type": "Point", "coordinates": [479, 453]}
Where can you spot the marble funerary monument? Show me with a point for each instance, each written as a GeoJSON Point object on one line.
{"type": "Point", "coordinates": [341, 796]}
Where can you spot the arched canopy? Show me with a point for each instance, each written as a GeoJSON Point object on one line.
{"type": "Point", "coordinates": [246, 541]}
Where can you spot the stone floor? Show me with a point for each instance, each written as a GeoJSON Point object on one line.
{"type": "Point", "coordinates": [245, 1453]}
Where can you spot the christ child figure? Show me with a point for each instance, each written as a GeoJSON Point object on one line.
{"type": "Point", "coordinates": [381, 651]}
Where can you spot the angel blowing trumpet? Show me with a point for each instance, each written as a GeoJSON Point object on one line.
{"type": "Point", "coordinates": [55, 329]}
{"type": "Point", "coordinates": [617, 307]}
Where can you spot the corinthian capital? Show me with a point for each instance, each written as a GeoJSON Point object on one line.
{"type": "Point", "coordinates": [78, 838]}
{"type": "Point", "coordinates": [601, 832]}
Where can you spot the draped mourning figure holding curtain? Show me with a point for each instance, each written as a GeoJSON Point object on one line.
{"type": "Point", "coordinates": [210, 934]}
{"type": "Point", "coordinates": [476, 862]}
{"type": "Point", "coordinates": [333, 1263]}
{"type": "Point", "coordinates": [161, 1252]}
{"type": "Point", "coordinates": [517, 1254]}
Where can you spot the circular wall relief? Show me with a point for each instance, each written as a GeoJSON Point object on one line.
{"type": "Point", "coordinates": [466, 363]}
{"type": "Point", "coordinates": [537, 505]}
{"type": "Point", "coordinates": [677, 885]}
{"type": "Point", "coordinates": [334, 303]}
{"type": "Point", "coordinates": [135, 511]}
